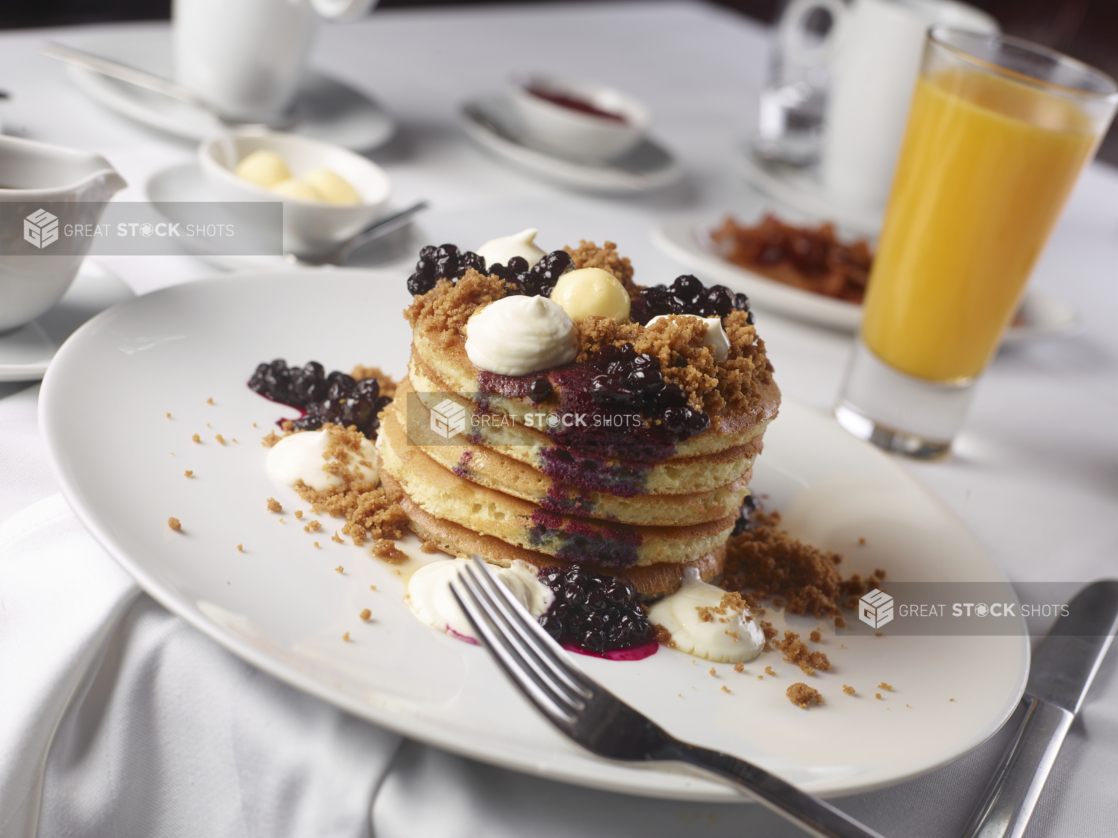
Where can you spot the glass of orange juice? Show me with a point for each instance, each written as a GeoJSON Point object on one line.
{"type": "Point", "coordinates": [998, 132]}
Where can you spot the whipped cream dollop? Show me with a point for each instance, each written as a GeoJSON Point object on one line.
{"type": "Point", "coordinates": [303, 456]}
{"type": "Point", "coordinates": [431, 600]}
{"type": "Point", "coordinates": [521, 244]}
{"type": "Point", "coordinates": [520, 335]}
{"type": "Point", "coordinates": [716, 337]}
{"type": "Point", "coordinates": [701, 623]}
{"type": "Point", "coordinates": [591, 291]}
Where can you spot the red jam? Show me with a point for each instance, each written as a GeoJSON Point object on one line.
{"type": "Point", "coordinates": [573, 103]}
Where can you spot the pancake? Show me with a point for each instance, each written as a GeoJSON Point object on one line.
{"type": "Point", "coordinates": [442, 493]}
{"type": "Point", "coordinates": [651, 581]}
{"type": "Point", "coordinates": [495, 470]}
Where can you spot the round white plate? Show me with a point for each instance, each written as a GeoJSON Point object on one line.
{"type": "Point", "coordinates": [326, 109]}
{"type": "Point", "coordinates": [684, 241]}
{"type": "Point", "coordinates": [281, 605]}
{"type": "Point", "coordinates": [800, 189]}
{"type": "Point", "coordinates": [186, 183]}
{"type": "Point", "coordinates": [491, 123]}
{"type": "Point", "coordinates": [26, 352]}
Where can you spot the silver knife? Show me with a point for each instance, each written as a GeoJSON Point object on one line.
{"type": "Point", "coordinates": [1062, 671]}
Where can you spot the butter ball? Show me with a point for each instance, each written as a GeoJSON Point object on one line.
{"type": "Point", "coordinates": [297, 189]}
{"type": "Point", "coordinates": [589, 291]}
{"type": "Point", "coordinates": [264, 168]}
{"type": "Point", "coordinates": [331, 187]}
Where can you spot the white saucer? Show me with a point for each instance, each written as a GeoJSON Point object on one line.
{"type": "Point", "coordinates": [327, 109]}
{"type": "Point", "coordinates": [491, 123]}
{"type": "Point", "coordinates": [800, 189]}
{"type": "Point", "coordinates": [186, 183]}
{"type": "Point", "coordinates": [685, 241]}
{"type": "Point", "coordinates": [25, 352]}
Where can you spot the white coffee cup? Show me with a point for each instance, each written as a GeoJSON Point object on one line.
{"type": "Point", "coordinates": [248, 57]}
{"type": "Point", "coordinates": [873, 53]}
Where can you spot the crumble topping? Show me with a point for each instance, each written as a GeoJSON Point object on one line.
{"type": "Point", "coordinates": [797, 652]}
{"type": "Point", "coordinates": [275, 506]}
{"type": "Point", "coordinates": [174, 524]}
{"type": "Point", "coordinates": [771, 563]}
{"type": "Point", "coordinates": [383, 548]}
{"type": "Point", "coordinates": [803, 696]}
{"type": "Point", "coordinates": [849, 690]}
{"type": "Point", "coordinates": [606, 257]}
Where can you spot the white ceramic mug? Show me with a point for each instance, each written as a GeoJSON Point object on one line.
{"type": "Point", "coordinates": [873, 53]}
{"type": "Point", "coordinates": [34, 174]}
{"type": "Point", "coordinates": [248, 57]}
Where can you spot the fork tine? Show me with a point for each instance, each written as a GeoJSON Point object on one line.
{"type": "Point", "coordinates": [552, 704]}
{"type": "Point", "coordinates": [539, 643]}
{"type": "Point", "coordinates": [509, 624]}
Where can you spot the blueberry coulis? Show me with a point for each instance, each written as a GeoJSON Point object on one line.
{"type": "Point", "coordinates": [320, 397]}
{"type": "Point", "coordinates": [594, 613]}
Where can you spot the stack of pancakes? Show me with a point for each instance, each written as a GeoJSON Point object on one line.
{"type": "Point", "coordinates": [508, 487]}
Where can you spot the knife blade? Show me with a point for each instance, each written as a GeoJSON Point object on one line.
{"type": "Point", "coordinates": [1061, 674]}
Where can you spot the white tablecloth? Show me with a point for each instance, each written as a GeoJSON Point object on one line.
{"type": "Point", "coordinates": [117, 719]}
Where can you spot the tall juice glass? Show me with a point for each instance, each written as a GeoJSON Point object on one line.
{"type": "Point", "coordinates": [998, 132]}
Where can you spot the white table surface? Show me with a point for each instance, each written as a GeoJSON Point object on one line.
{"type": "Point", "coordinates": [208, 746]}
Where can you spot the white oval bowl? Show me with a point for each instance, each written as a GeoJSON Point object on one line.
{"type": "Point", "coordinates": [310, 228]}
{"type": "Point", "coordinates": [572, 133]}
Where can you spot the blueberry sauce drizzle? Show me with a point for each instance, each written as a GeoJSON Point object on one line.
{"type": "Point", "coordinates": [320, 398]}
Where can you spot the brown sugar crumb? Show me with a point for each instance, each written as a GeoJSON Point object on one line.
{"type": "Point", "coordinates": [713, 671]}
{"type": "Point", "coordinates": [815, 636]}
{"type": "Point", "coordinates": [950, 699]}
{"type": "Point", "coordinates": [886, 687]}
{"type": "Point", "coordinates": [606, 257]}
{"type": "Point", "coordinates": [878, 696]}
{"type": "Point", "coordinates": [879, 634]}
{"type": "Point", "coordinates": [345, 637]}
{"type": "Point", "coordinates": [234, 439]}
{"type": "Point", "coordinates": [271, 439]}
{"type": "Point", "coordinates": [275, 506]}
{"type": "Point", "coordinates": [174, 524]}
{"type": "Point", "coordinates": [288, 425]}
{"type": "Point", "coordinates": [168, 415]}
{"type": "Point", "coordinates": [220, 438]}
{"type": "Point", "coordinates": [372, 587]}
{"type": "Point", "coordinates": [778, 602]}
{"type": "Point", "coordinates": [369, 511]}
{"type": "Point", "coordinates": [428, 547]}
{"type": "Point", "coordinates": [861, 542]}
{"type": "Point", "coordinates": [803, 696]}
{"type": "Point", "coordinates": [725, 689]}
{"type": "Point", "coordinates": [298, 513]}
{"type": "Point", "coordinates": [760, 677]}
{"type": "Point", "coordinates": [339, 568]}
{"type": "Point", "coordinates": [313, 526]}
{"type": "Point", "coordinates": [316, 544]}
{"type": "Point", "coordinates": [767, 629]}
{"type": "Point", "coordinates": [337, 538]}
{"type": "Point", "coordinates": [849, 690]}
{"type": "Point", "coordinates": [797, 652]}
{"type": "Point", "coordinates": [240, 548]}
{"type": "Point", "coordinates": [769, 671]}
{"type": "Point", "coordinates": [739, 667]}
{"type": "Point", "coordinates": [770, 563]}
{"type": "Point", "coordinates": [663, 635]}
{"type": "Point", "coordinates": [197, 438]}
{"type": "Point", "coordinates": [210, 400]}
{"type": "Point", "coordinates": [365, 615]}
{"type": "Point", "coordinates": [188, 473]}
{"type": "Point", "coordinates": [384, 548]}
{"type": "Point", "coordinates": [208, 425]}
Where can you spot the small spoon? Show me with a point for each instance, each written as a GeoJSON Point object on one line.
{"type": "Point", "coordinates": [149, 81]}
{"type": "Point", "coordinates": [380, 227]}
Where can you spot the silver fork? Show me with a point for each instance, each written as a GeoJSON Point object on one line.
{"type": "Point", "coordinates": [603, 724]}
